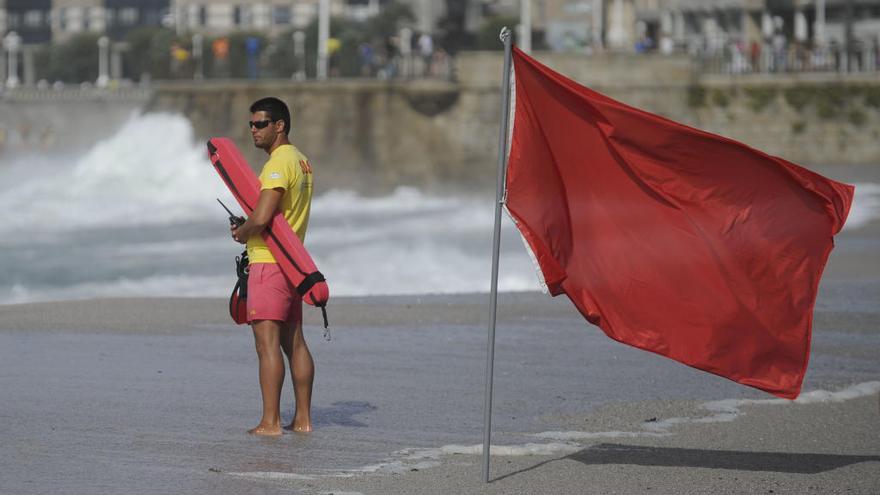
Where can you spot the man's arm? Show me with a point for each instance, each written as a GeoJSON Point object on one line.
{"type": "Point", "coordinates": [267, 205]}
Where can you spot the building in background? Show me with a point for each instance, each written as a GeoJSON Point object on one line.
{"type": "Point", "coordinates": [41, 21]}
{"type": "Point", "coordinates": [274, 16]}
{"type": "Point", "coordinates": [71, 17]}
{"type": "Point", "coordinates": [30, 19]}
{"type": "Point", "coordinates": [711, 24]}
{"type": "Point", "coordinates": [428, 13]}
{"type": "Point", "coordinates": [123, 16]}
{"type": "Point", "coordinates": [570, 25]}
{"type": "Point", "coordinates": [223, 16]}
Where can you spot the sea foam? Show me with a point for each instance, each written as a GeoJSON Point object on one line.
{"type": "Point", "coordinates": [866, 206]}
{"type": "Point", "coordinates": [150, 172]}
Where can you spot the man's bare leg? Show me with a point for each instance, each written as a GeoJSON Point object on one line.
{"type": "Point", "coordinates": [267, 338]}
{"type": "Point", "coordinates": [302, 373]}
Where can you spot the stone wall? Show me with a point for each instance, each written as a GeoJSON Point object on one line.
{"type": "Point", "coordinates": [811, 121]}
{"type": "Point", "coordinates": [367, 134]}
{"type": "Point", "coordinates": [60, 121]}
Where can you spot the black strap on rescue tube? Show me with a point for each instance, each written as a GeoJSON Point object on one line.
{"type": "Point", "coordinates": [284, 251]}
{"type": "Point", "coordinates": [309, 282]}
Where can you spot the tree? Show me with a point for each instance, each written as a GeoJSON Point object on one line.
{"type": "Point", "coordinates": [75, 61]}
{"type": "Point", "coordinates": [149, 53]}
{"type": "Point", "coordinates": [454, 37]}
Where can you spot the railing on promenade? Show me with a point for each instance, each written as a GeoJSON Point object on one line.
{"type": "Point", "coordinates": [439, 66]}
{"type": "Point", "coordinates": [763, 59]}
{"type": "Point", "coordinates": [75, 93]}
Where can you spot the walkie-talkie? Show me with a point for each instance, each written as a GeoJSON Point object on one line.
{"type": "Point", "coordinates": [233, 219]}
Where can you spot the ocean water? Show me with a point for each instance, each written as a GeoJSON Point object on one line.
{"type": "Point", "coordinates": [112, 223]}
{"type": "Point", "coordinates": [109, 222]}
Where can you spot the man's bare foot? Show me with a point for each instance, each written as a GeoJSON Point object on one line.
{"type": "Point", "coordinates": [297, 427]}
{"type": "Point", "coordinates": [266, 431]}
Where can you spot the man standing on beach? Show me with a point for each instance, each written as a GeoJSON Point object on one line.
{"type": "Point", "coordinates": [273, 305]}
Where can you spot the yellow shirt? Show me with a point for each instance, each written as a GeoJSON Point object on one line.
{"type": "Point", "coordinates": [288, 169]}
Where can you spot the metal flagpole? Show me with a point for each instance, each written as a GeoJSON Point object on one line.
{"type": "Point", "coordinates": [496, 245]}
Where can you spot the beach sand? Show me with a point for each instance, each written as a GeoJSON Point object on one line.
{"type": "Point", "coordinates": [155, 396]}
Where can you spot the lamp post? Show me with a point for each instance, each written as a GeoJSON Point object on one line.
{"type": "Point", "coordinates": [103, 62]}
{"type": "Point", "coordinates": [197, 47]}
{"type": "Point", "coordinates": [116, 50]}
{"type": "Point", "coordinates": [617, 36]}
{"type": "Point", "coordinates": [299, 52]}
{"type": "Point", "coordinates": [598, 23]}
{"type": "Point", "coordinates": [406, 60]}
{"type": "Point", "coordinates": [323, 36]}
{"type": "Point", "coordinates": [12, 44]}
{"type": "Point", "coordinates": [27, 62]}
{"type": "Point", "coordinates": [525, 25]}
{"type": "Point", "coordinates": [848, 38]}
{"type": "Point", "coordinates": [819, 37]}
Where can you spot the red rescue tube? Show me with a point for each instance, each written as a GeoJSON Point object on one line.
{"type": "Point", "coordinates": [292, 257]}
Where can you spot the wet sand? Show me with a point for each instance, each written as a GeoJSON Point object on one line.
{"type": "Point", "coordinates": [793, 449]}
{"type": "Point", "coordinates": [155, 396]}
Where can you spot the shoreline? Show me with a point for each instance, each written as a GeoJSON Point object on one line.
{"type": "Point", "coordinates": [731, 446]}
{"type": "Point", "coordinates": [127, 314]}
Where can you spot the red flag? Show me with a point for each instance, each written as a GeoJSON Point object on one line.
{"type": "Point", "coordinates": [671, 239]}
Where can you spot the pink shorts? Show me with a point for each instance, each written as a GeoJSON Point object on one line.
{"type": "Point", "coordinates": [270, 295]}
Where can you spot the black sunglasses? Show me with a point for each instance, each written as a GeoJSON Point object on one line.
{"type": "Point", "coordinates": [259, 124]}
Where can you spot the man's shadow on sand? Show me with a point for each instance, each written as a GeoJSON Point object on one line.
{"type": "Point", "coordinates": [778, 462]}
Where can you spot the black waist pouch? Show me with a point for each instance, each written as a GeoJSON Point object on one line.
{"type": "Point", "coordinates": [238, 299]}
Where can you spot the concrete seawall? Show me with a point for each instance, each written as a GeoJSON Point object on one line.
{"type": "Point", "coordinates": [374, 135]}
{"type": "Point", "coordinates": [368, 134]}
{"type": "Point", "coordinates": [63, 121]}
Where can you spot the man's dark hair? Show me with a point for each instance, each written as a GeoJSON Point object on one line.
{"type": "Point", "coordinates": [275, 109]}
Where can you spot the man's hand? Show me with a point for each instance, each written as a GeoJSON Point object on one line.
{"type": "Point", "coordinates": [234, 231]}
{"type": "Point", "coordinates": [267, 205]}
